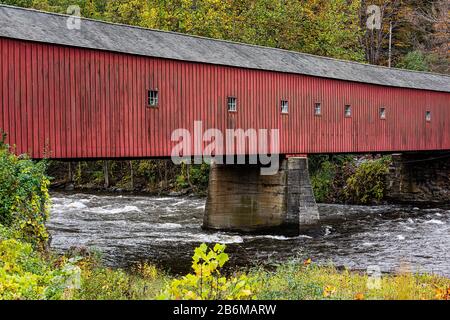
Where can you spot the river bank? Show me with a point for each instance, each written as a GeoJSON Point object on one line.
{"type": "Point", "coordinates": [80, 276]}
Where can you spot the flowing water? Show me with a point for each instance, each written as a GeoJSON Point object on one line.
{"type": "Point", "coordinates": [164, 230]}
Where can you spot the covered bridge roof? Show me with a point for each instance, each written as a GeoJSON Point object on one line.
{"type": "Point", "coordinates": [32, 25]}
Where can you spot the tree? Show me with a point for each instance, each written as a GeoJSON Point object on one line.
{"type": "Point", "coordinates": [324, 27]}
{"type": "Point", "coordinates": [375, 40]}
{"type": "Point", "coordinates": [414, 60]}
{"type": "Point", "coordinates": [89, 8]}
{"type": "Point", "coordinates": [430, 19]}
{"type": "Point", "coordinates": [328, 28]}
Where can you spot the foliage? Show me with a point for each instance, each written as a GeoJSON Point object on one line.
{"type": "Point", "coordinates": [24, 197]}
{"type": "Point", "coordinates": [416, 26]}
{"type": "Point", "coordinates": [24, 274]}
{"type": "Point", "coordinates": [155, 176]}
{"type": "Point", "coordinates": [144, 281]}
{"type": "Point", "coordinates": [183, 178]}
{"type": "Point", "coordinates": [207, 283]}
{"type": "Point", "coordinates": [322, 181]}
{"type": "Point", "coordinates": [333, 28]}
{"type": "Point", "coordinates": [195, 177]}
{"type": "Point", "coordinates": [27, 274]}
{"type": "Point", "coordinates": [367, 184]}
{"type": "Point", "coordinates": [343, 173]}
{"type": "Point", "coordinates": [415, 60]}
{"type": "Point", "coordinates": [329, 176]}
{"type": "Point", "coordinates": [349, 179]}
{"type": "Point", "coordinates": [323, 27]}
{"type": "Point", "coordinates": [292, 281]}
{"type": "Point", "coordinates": [199, 176]}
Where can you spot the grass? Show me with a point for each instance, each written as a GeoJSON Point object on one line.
{"type": "Point", "coordinates": [143, 282]}
{"type": "Point", "coordinates": [288, 282]}
{"type": "Point", "coordinates": [311, 282]}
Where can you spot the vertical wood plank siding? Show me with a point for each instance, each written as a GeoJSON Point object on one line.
{"type": "Point", "coordinates": [65, 102]}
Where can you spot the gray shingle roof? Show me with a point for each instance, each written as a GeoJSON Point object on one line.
{"type": "Point", "coordinates": [27, 24]}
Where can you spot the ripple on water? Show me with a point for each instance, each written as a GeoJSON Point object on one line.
{"type": "Point", "coordinates": [167, 226]}
{"type": "Point", "coordinates": [114, 210]}
{"type": "Point", "coordinates": [434, 221]}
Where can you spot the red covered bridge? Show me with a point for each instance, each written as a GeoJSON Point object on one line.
{"type": "Point", "coordinates": [113, 91]}
{"type": "Point", "coordinates": [85, 93]}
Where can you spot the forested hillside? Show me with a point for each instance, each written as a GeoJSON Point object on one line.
{"type": "Point", "coordinates": [333, 28]}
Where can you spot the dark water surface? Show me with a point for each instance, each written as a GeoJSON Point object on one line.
{"type": "Point", "coordinates": [164, 230]}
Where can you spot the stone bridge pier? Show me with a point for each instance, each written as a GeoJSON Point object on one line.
{"type": "Point", "coordinates": [422, 177]}
{"type": "Point", "coordinates": [241, 199]}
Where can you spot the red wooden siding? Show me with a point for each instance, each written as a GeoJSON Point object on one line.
{"type": "Point", "coordinates": [80, 103]}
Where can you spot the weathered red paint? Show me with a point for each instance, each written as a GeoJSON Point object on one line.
{"type": "Point", "coordinates": [67, 102]}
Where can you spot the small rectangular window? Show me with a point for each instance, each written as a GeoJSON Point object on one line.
{"type": "Point", "coordinates": [232, 104]}
{"type": "Point", "coordinates": [318, 109]}
{"type": "Point", "coordinates": [152, 98]}
{"type": "Point", "coordinates": [428, 116]}
{"type": "Point", "coordinates": [382, 113]}
{"type": "Point", "coordinates": [284, 106]}
{"type": "Point", "coordinates": [348, 111]}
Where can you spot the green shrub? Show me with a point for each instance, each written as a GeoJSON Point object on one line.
{"type": "Point", "coordinates": [340, 179]}
{"type": "Point", "coordinates": [24, 197]}
{"type": "Point", "coordinates": [199, 176]}
{"type": "Point", "coordinates": [322, 181]}
{"type": "Point", "coordinates": [367, 184]}
{"type": "Point", "coordinates": [25, 275]}
{"type": "Point", "coordinates": [415, 60]}
{"type": "Point", "coordinates": [207, 283]}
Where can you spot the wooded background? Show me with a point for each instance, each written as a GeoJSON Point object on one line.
{"type": "Point", "coordinates": [332, 28]}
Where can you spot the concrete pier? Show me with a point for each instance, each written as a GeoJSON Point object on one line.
{"type": "Point", "coordinates": [241, 199]}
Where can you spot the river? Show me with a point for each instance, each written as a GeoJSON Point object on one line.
{"type": "Point", "coordinates": [127, 229]}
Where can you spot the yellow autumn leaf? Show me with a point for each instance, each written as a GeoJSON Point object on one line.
{"type": "Point", "coordinates": [329, 291]}
{"type": "Point", "coordinates": [359, 296]}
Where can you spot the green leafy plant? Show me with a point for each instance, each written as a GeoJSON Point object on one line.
{"type": "Point", "coordinates": [415, 60]}
{"type": "Point", "coordinates": [24, 197]}
{"type": "Point", "coordinates": [367, 184]}
{"type": "Point", "coordinates": [207, 283]}
{"type": "Point", "coordinates": [24, 274]}
{"type": "Point", "coordinates": [322, 181]}
{"type": "Point", "coordinates": [199, 176]}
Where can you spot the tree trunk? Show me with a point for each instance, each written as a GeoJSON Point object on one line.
{"type": "Point", "coordinates": [70, 178]}
{"type": "Point", "coordinates": [131, 175]}
{"type": "Point", "coordinates": [106, 173]}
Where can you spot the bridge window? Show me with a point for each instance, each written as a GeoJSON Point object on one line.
{"type": "Point", "coordinates": [232, 104]}
{"type": "Point", "coordinates": [382, 113]}
{"type": "Point", "coordinates": [153, 98]}
{"type": "Point", "coordinates": [348, 111]}
{"type": "Point", "coordinates": [428, 116]}
{"type": "Point", "coordinates": [318, 109]}
{"type": "Point", "coordinates": [284, 106]}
